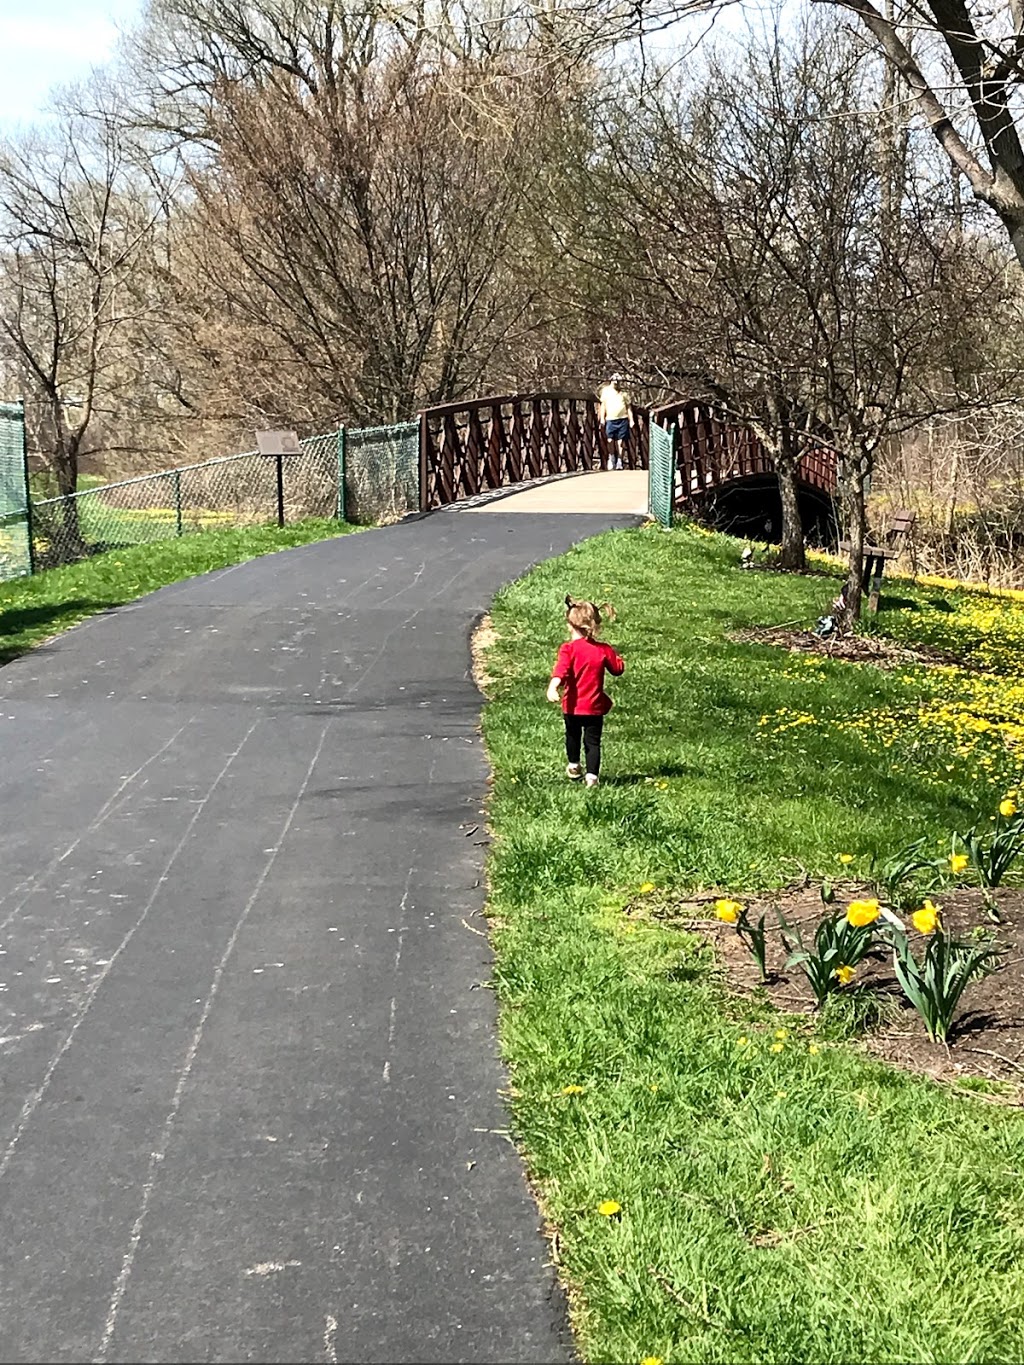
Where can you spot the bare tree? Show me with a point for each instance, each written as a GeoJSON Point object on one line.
{"type": "Point", "coordinates": [74, 224]}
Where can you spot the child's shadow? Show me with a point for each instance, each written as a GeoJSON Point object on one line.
{"type": "Point", "coordinates": [653, 775]}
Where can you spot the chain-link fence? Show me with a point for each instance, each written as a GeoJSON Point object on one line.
{"type": "Point", "coordinates": [234, 490]}
{"type": "Point", "coordinates": [661, 474]}
{"type": "Point", "coordinates": [381, 472]}
{"type": "Point", "coordinates": [365, 475]}
{"type": "Point", "coordinates": [15, 539]}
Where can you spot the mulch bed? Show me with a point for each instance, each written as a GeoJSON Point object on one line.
{"type": "Point", "coordinates": [863, 649]}
{"type": "Point", "coordinates": [988, 1034]}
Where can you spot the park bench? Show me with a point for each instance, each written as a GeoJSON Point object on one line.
{"type": "Point", "coordinates": [875, 555]}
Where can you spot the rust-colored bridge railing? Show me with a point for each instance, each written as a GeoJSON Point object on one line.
{"type": "Point", "coordinates": [711, 452]}
{"type": "Point", "coordinates": [484, 444]}
{"type": "Point", "coordinates": [472, 447]}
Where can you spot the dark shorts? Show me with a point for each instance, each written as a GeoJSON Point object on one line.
{"type": "Point", "coordinates": [617, 429]}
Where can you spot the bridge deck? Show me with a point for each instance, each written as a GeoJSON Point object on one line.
{"type": "Point", "coordinates": [622, 492]}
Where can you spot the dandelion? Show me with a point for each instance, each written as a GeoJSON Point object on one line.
{"type": "Point", "coordinates": [845, 858]}
{"type": "Point", "coordinates": [957, 862]}
{"type": "Point", "coordinates": [727, 910]}
{"type": "Point", "coordinates": [859, 913]}
{"type": "Point", "coordinates": [647, 888]}
{"type": "Point", "coordinates": [926, 920]}
{"type": "Point", "coordinates": [573, 1089]}
{"type": "Point", "coordinates": [845, 974]}
{"type": "Point", "coordinates": [1007, 808]}
{"type": "Point", "coordinates": [777, 1047]}
{"type": "Point", "coordinates": [608, 1208]}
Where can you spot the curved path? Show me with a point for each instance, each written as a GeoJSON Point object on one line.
{"type": "Point", "coordinates": [250, 1103]}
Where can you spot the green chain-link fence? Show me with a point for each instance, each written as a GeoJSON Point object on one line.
{"type": "Point", "coordinates": [661, 474]}
{"type": "Point", "coordinates": [15, 538]}
{"type": "Point", "coordinates": [234, 490]}
{"type": "Point", "coordinates": [381, 472]}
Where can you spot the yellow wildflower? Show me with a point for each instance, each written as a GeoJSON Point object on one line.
{"type": "Point", "coordinates": [573, 1089]}
{"type": "Point", "coordinates": [647, 888]}
{"type": "Point", "coordinates": [652, 1360]}
{"type": "Point", "coordinates": [845, 858]}
{"type": "Point", "coordinates": [845, 974]}
{"type": "Point", "coordinates": [813, 1049]}
{"type": "Point", "coordinates": [777, 1047]}
{"type": "Point", "coordinates": [859, 913]}
{"type": "Point", "coordinates": [782, 1033]}
{"type": "Point", "coordinates": [926, 920]}
{"type": "Point", "coordinates": [1007, 808]}
{"type": "Point", "coordinates": [957, 862]}
{"type": "Point", "coordinates": [742, 1042]}
{"type": "Point", "coordinates": [727, 910]}
{"type": "Point", "coordinates": [608, 1208]}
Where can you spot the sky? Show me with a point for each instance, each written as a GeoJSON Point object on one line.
{"type": "Point", "coordinates": [52, 42]}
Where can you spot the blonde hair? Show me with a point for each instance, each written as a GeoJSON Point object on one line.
{"type": "Point", "coordinates": [586, 616]}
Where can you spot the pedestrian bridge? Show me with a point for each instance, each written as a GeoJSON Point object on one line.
{"type": "Point", "coordinates": [704, 466]}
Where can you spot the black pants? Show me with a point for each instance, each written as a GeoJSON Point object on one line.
{"type": "Point", "coordinates": [587, 728]}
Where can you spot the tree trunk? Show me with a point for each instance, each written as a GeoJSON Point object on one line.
{"type": "Point", "coordinates": [68, 542]}
{"type": "Point", "coordinates": [792, 550]}
{"type": "Point", "coordinates": [856, 514]}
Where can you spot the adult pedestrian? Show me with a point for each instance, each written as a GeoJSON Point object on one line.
{"type": "Point", "coordinates": [614, 413]}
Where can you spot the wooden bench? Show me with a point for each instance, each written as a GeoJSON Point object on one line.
{"type": "Point", "coordinates": [876, 555]}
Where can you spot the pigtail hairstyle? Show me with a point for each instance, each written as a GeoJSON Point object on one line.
{"type": "Point", "coordinates": [586, 616]}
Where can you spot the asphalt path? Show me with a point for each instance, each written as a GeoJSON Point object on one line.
{"type": "Point", "coordinates": [250, 1104]}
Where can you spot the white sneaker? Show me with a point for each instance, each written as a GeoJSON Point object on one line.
{"type": "Point", "coordinates": [592, 779]}
{"type": "Point", "coordinates": [573, 770]}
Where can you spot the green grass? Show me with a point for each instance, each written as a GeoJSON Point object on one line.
{"type": "Point", "coordinates": [776, 1206]}
{"type": "Point", "coordinates": [34, 609]}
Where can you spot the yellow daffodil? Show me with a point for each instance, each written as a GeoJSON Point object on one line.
{"type": "Point", "coordinates": [926, 920]}
{"type": "Point", "coordinates": [727, 910]}
{"type": "Point", "coordinates": [647, 888]}
{"type": "Point", "coordinates": [845, 974]}
{"type": "Point", "coordinates": [957, 862]}
{"type": "Point", "coordinates": [1007, 808]}
{"type": "Point", "coordinates": [845, 858]}
{"type": "Point", "coordinates": [777, 1047]}
{"type": "Point", "coordinates": [859, 913]}
{"type": "Point", "coordinates": [573, 1089]}
{"type": "Point", "coordinates": [608, 1208]}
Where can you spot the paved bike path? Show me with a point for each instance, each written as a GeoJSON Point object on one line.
{"type": "Point", "coordinates": [249, 1105]}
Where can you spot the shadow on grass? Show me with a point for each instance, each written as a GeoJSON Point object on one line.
{"type": "Point", "coordinates": [23, 628]}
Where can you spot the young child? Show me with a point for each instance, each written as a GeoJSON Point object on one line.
{"type": "Point", "coordinates": [580, 669]}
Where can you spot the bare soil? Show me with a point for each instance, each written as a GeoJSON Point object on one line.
{"type": "Point", "coordinates": [866, 649]}
{"type": "Point", "coordinates": [988, 1034]}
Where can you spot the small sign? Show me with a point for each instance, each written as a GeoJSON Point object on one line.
{"type": "Point", "coordinates": [278, 443]}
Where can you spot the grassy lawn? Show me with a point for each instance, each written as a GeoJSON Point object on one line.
{"type": "Point", "coordinates": [782, 1197]}
{"type": "Point", "coordinates": [33, 609]}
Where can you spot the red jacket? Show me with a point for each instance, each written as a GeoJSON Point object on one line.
{"type": "Point", "coordinates": [581, 665]}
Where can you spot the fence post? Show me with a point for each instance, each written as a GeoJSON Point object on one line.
{"type": "Point", "coordinates": [28, 495]}
{"type": "Point", "coordinates": [177, 502]}
{"type": "Point", "coordinates": [424, 465]}
{"type": "Point", "coordinates": [340, 511]}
